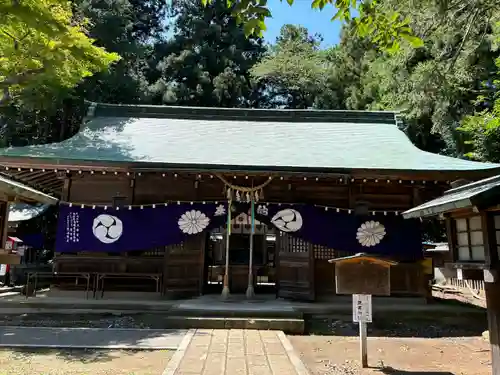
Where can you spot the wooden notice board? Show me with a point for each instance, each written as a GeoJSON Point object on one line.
{"type": "Point", "coordinates": [362, 274]}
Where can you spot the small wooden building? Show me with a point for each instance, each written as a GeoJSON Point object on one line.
{"type": "Point", "coordinates": [11, 194]}
{"type": "Point", "coordinates": [166, 191]}
{"type": "Point", "coordinates": [472, 215]}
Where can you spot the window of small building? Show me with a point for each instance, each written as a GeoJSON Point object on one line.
{"type": "Point", "coordinates": [470, 242]}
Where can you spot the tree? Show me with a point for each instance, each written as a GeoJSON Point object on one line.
{"type": "Point", "coordinates": [435, 86]}
{"type": "Point", "coordinates": [296, 73]}
{"type": "Point", "coordinates": [42, 48]}
{"type": "Point", "coordinates": [208, 60]}
{"type": "Point", "coordinates": [130, 28]}
{"type": "Point", "coordinates": [385, 28]}
{"type": "Point", "coordinates": [482, 128]}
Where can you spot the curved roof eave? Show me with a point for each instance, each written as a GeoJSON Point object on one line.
{"type": "Point", "coordinates": [243, 139]}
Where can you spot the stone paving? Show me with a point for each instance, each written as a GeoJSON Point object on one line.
{"type": "Point", "coordinates": [238, 352]}
{"type": "Point", "coordinates": [95, 338]}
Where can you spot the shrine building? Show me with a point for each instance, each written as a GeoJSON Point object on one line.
{"type": "Point", "coordinates": [182, 201]}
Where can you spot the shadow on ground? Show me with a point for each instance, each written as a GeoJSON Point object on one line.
{"type": "Point", "coordinates": [90, 345]}
{"type": "Point", "coordinates": [397, 324]}
{"type": "Point", "coordinates": [84, 356]}
{"type": "Point", "coordinates": [393, 371]}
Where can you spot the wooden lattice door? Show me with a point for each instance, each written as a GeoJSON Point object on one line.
{"type": "Point", "coordinates": [183, 268]}
{"type": "Point", "coordinates": [295, 268]}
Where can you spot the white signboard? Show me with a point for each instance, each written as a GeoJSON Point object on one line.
{"type": "Point", "coordinates": [362, 308]}
{"type": "Point", "coordinates": [3, 269]}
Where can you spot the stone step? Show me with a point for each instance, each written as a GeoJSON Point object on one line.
{"type": "Point", "coordinates": [230, 311]}
{"type": "Point", "coordinates": [242, 312]}
{"type": "Point", "coordinates": [291, 326]}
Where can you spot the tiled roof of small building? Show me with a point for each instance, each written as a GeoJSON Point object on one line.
{"type": "Point", "coordinates": [244, 138]}
{"type": "Point", "coordinates": [466, 196]}
{"type": "Point", "coordinates": [24, 211]}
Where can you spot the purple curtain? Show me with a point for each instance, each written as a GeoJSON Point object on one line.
{"type": "Point", "coordinates": [386, 235]}
{"type": "Point", "coordinates": [112, 230]}
{"type": "Point", "coordinates": [118, 230]}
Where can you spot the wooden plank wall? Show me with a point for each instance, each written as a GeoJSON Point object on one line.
{"type": "Point", "coordinates": [149, 188]}
{"type": "Point", "coordinates": [156, 188]}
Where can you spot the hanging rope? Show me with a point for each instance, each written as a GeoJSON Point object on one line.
{"type": "Point", "coordinates": [254, 193]}
{"type": "Point", "coordinates": [244, 189]}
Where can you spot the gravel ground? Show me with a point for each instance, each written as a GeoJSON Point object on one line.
{"type": "Point", "coordinates": [80, 362]}
{"type": "Point", "coordinates": [406, 325]}
{"type": "Point", "coordinates": [408, 344]}
{"type": "Point", "coordinates": [334, 355]}
{"type": "Point", "coordinates": [84, 320]}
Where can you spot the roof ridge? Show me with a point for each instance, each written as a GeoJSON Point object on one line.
{"type": "Point", "coordinates": [246, 114]}
{"type": "Point", "coordinates": [472, 185]}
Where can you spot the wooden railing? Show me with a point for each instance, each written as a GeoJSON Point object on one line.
{"type": "Point", "coordinates": [474, 288]}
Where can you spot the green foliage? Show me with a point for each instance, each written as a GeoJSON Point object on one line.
{"type": "Point", "coordinates": [295, 72]}
{"type": "Point", "coordinates": [482, 129]}
{"type": "Point", "coordinates": [436, 85]}
{"type": "Point", "coordinates": [129, 28]}
{"type": "Point", "coordinates": [208, 61]}
{"type": "Point", "coordinates": [385, 28]}
{"type": "Point", "coordinates": [43, 48]}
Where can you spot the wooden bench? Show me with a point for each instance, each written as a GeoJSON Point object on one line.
{"type": "Point", "coordinates": [55, 275]}
{"type": "Point", "coordinates": [99, 280]}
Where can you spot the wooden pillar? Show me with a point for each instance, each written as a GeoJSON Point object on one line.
{"type": "Point", "coordinates": [4, 207]}
{"type": "Point", "coordinates": [66, 192]}
{"type": "Point", "coordinates": [492, 288]}
{"type": "Point", "coordinates": [424, 282]}
{"type": "Point", "coordinates": [493, 311]}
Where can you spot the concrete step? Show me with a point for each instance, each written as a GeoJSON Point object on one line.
{"type": "Point", "coordinates": [243, 312]}
{"type": "Point", "coordinates": [290, 325]}
{"type": "Point", "coordinates": [229, 311]}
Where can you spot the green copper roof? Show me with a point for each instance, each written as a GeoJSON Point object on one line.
{"type": "Point", "coordinates": [240, 138]}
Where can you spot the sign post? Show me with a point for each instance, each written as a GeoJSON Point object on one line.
{"type": "Point", "coordinates": [362, 276]}
{"type": "Point", "coordinates": [362, 314]}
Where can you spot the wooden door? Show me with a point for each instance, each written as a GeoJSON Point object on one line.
{"type": "Point", "coordinates": [183, 269]}
{"type": "Point", "coordinates": [295, 271]}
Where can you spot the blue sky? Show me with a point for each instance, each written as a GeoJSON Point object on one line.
{"type": "Point", "coordinates": [300, 13]}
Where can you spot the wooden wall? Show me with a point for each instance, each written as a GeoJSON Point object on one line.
{"type": "Point", "coordinates": [157, 188]}
{"type": "Point", "coordinates": [183, 267]}
{"type": "Point", "coordinates": [99, 189]}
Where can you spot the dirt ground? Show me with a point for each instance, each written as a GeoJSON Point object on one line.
{"type": "Point", "coordinates": [83, 362]}
{"type": "Point", "coordinates": [339, 355]}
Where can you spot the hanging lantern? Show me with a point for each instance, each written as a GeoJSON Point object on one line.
{"type": "Point", "coordinates": [238, 197]}
{"type": "Point", "coordinates": [229, 194]}
{"type": "Point", "coordinates": [248, 197]}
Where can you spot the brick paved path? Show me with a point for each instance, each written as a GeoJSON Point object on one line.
{"type": "Point", "coordinates": [238, 352]}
